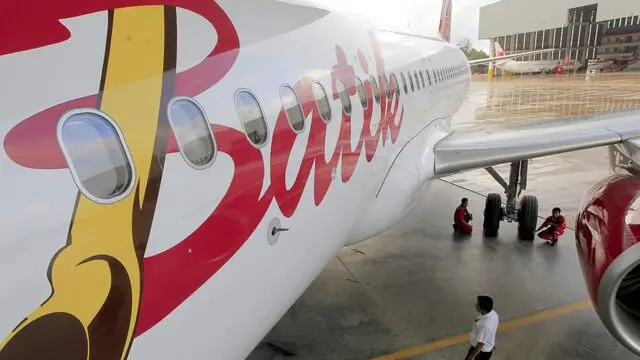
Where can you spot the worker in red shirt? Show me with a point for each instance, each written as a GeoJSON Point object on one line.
{"type": "Point", "coordinates": [555, 225]}
{"type": "Point", "coordinates": [461, 218]}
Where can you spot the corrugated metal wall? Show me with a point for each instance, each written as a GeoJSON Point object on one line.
{"type": "Point", "coordinates": [574, 27]}
{"type": "Point", "coordinates": [521, 16]}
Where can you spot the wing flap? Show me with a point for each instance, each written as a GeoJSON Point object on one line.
{"type": "Point", "coordinates": [481, 147]}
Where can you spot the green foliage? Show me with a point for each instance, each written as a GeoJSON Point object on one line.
{"type": "Point", "coordinates": [473, 54]}
{"type": "Point", "coordinates": [476, 55]}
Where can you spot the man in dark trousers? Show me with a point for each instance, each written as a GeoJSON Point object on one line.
{"type": "Point", "coordinates": [483, 334]}
{"type": "Point", "coordinates": [461, 218]}
{"type": "Point", "coordinates": [556, 225]}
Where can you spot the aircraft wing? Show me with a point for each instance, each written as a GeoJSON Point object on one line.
{"type": "Point", "coordinates": [490, 59]}
{"type": "Point", "coordinates": [476, 148]}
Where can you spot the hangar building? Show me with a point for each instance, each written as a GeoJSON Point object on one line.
{"type": "Point", "coordinates": [579, 29]}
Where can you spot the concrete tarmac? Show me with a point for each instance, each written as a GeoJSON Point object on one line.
{"type": "Point", "coordinates": [409, 293]}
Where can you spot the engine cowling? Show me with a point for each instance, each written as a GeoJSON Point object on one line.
{"type": "Point", "coordinates": [607, 238]}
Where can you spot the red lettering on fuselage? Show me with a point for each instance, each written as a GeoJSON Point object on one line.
{"type": "Point", "coordinates": [172, 276]}
{"type": "Point", "coordinates": [33, 143]}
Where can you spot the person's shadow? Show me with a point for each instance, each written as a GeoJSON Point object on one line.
{"type": "Point", "coordinates": [460, 236]}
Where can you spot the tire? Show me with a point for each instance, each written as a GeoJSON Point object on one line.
{"type": "Point", "coordinates": [492, 215]}
{"type": "Point", "coordinates": [528, 217]}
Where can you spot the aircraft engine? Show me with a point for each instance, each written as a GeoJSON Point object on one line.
{"type": "Point", "coordinates": [607, 238]}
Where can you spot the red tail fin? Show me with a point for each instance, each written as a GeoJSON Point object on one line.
{"type": "Point", "coordinates": [499, 49]}
{"type": "Point", "coordinates": [445, 21]}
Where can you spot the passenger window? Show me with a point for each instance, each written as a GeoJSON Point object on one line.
{"type": "Point", "coordinates": [428, 77]}
{"type": "Point", "coordinates": [410, 81]}
{"type": "Point", "coordinates": [404, 83]}
{"type": "Point", "coordinates": [422, 79]}
{"type": "Point", "coordinates": [321, 100]}
{"type": "Point", "coordinates": [362, 94]}
{"type": "Point", "coordinates": [344, 96]}
{"type": "Point", "coordinates": [292, 108]}
{"type": "Point", "coordinates": [415, 75]}
{"type": "Point", "coordinates": [97, 156]}
{"type": "Point", "coordinates": [396, 87]}
{"type": "Point", "coordinates": [385, 83]}
{"type": "Point", "coordinates": [192, 132]}
{"type": "Point", "coordinates": [376, 89]}
{"type": "Point", "coordinates": [252, 118]}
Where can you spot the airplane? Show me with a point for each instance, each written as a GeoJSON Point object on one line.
{"type": "Point", "coordinates": [175, 173]}
{"type": "Point", "coordinates": [502, 59]}
{"type": "Point", "coordinates": [533, 66]}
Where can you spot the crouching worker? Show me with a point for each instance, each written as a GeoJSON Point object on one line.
{"type": "Point", "coordinates": [462, 217]}
{"type": "Point", "coordinates": [555, 225]}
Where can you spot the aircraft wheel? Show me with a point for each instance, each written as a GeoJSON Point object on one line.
{"type": "Point", "coordinates": [492, 215]}
{"type": "Point", "coordinates": [528, 217]}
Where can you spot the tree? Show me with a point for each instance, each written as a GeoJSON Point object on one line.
{"type": "Point", "coordinates": [472, 54]}
{"type": "Point", "coordinates": [476, 54]}
{"type": "Point", "coordinates": [465, 46]}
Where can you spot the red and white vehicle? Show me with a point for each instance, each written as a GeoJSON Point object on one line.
{"type": "Point", "coordinates": [175, 173]}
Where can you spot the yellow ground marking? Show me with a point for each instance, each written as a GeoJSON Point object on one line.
{"type": "Point", "coordinates": [82, 282]}
{"type": "Point", "coordinates": [508, 325]}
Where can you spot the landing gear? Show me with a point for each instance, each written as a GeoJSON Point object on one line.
{"type": "Point", "coordinates": [526, 214]}
{"type": "Point", "coordinates": [492, 215]}
{"type": "Point", "coordinates": [528, 217]}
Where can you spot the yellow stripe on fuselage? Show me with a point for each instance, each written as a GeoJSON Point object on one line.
{"type": "Point", "coordinates": [133, 85]}
{"type": "Point", "coordinates": [132, 92]}
{"type": "Point", "coordinates": [101, 239]}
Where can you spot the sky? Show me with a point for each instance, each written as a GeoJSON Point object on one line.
{"type": "Point", "coordinates": [420, 16]}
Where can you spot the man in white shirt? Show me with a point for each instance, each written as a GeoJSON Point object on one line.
{"type": "Point", "coordinates": [483, 334]}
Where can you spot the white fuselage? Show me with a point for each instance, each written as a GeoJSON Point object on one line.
{"type": "Point", "coordinates": [215, 277]}
{"type": "Point", "coordinates": [526, 67]}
